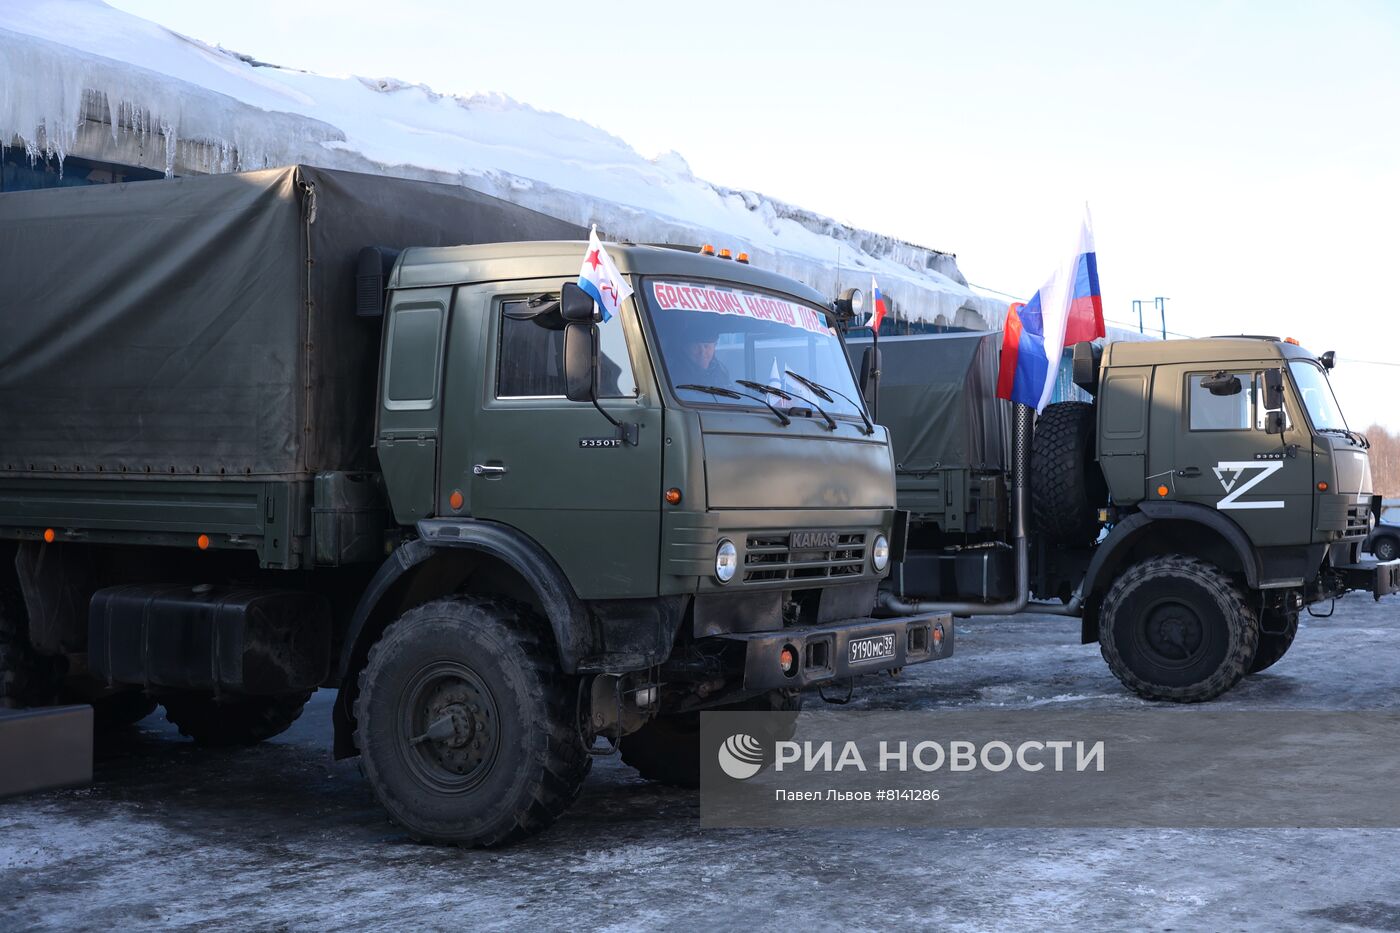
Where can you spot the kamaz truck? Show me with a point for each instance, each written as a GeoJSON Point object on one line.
{"type": "Point", "coordinates": [1206, 493]}
{"type": "Point", "coordinates": [268, 432]}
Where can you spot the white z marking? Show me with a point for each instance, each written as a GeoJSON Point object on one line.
{"type": "Point", "coordinates": [1237, 468]}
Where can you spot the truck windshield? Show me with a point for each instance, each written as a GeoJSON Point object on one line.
{"type": "Point", "coordinates": [1317, 395]}
{"type": "Point", "coordinates": [716, 335]}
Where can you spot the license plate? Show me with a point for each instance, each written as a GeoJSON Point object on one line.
{"type": "Point", "coordinates": [872, 648]}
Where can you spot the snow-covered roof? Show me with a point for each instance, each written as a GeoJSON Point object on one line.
{"type": "Point", "coordinates": [77, 76]}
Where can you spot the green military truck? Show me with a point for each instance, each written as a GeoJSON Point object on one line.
{"type": "Point", "coordinates": [274, 431]}
{"type": "Point", "coordinates": [1209, 492]}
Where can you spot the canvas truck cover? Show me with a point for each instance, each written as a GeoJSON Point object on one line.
{"type": "Point", "coordinates": [205, 326]}
{"type": "Point", "coordinates": [938, 399]}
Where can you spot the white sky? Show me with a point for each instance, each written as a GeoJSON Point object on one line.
{"type": "Point", "coordinates": [1242, 159]}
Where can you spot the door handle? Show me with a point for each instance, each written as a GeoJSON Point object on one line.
{"type": "Point", "coordinates": [1189, 472]}
{"type": "Point", "coordinates": [486, 469]}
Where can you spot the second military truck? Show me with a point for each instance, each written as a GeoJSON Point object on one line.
{"type": "Point", "coordinates": [1205, 493]}
{"type": "Point", "coordinates": [267, 432]}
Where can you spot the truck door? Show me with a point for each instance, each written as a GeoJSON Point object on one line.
{"type": "Point", "coordinates": [1223, 458]}
{"type": "Point", "coordinates": [552, 468]}
{"type": "Point", "coordinates": [410, 399]}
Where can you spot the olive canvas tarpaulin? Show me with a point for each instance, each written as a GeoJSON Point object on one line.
{"type": "Point", "coordinates": [205, 326]}
{"type": "Point", "coordinates": [938, 398]}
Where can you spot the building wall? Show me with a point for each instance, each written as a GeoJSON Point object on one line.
{"type": "Point", "coordinates": [18, 172]}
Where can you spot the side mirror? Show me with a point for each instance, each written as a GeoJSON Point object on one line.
{"type": "Point", "coordinates": [1328, 359]}
{"type": "Point", "coordinates": [575, 304]}
{"type": "Point", "coordinates": [1273, 422]}
{"type": "Point", "coordinates": [580, 359]}
{"type": "Point", "coordinates": [869, 370]}
{"type": "Point", "coordinates": [1222, 383]}
{"type": "Point", "coordinates": [1273, 389]}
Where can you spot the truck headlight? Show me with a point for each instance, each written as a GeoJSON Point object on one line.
{"type": "Point", "coordinates": [880, 554]}
{"type": "Point", "coordinates": [726, 560]}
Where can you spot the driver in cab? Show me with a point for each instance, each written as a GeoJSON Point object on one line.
{"type": "Point", "coordinates": [696, 363]}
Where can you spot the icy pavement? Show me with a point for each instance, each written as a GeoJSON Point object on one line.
{"type": "Point", "coordinates": [279, 837]}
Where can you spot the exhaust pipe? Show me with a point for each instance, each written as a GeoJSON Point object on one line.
{"type": "Point", "coordinates": [1020, 509]}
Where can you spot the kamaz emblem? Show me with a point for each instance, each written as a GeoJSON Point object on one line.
{"type": "Point", "coordinates": [1230, 472]}
{"type": "Point", "coordinates": [804, 540]}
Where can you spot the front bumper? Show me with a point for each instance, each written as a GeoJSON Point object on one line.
{"type": "Point", "coordinates": [1377, 579]}
{"type": "Point", "coordinates": [825, 653]}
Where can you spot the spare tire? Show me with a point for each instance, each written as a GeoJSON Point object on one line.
{"type": "Point", "coordinates": [1067, 486]}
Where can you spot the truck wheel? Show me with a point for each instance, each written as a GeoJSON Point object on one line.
{"type": "Point", "coordinates": [1067, 486]}
{"type": "Point", "coordinates": [667, 749]}
{"type": "Point", "coordinates": [27, 678]}
{"type": "Point", "coordinates": [1177, 628]}
{"type": "Point", "coordinates": [468, 731]}
{"type": "Point", "coordinates": [1275, 637]}
{"type": "Point", "coordinates": [223, 722]}
{"type": "Point", "coordinates": [1385, 549]}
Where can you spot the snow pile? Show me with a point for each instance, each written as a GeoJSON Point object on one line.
{"type": "Point", "coordinates": [78, 75]}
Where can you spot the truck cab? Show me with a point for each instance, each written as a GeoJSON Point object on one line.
{"type": "Point", "coordinates": [689, 494]}
{"type": "Point", "coordinates": [1249, 429]}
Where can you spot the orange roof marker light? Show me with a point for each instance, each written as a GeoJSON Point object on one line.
{"type": "Point", "coordinates": [202, 542]}
{"type": "Point", "coordinates": [707, 250]}
{"type": "Point", "coordinates": [1292, 340]}
{"type": "Point", "coordinates": [743, 257]}
{"type": "Point", "coordinates": [725, 254]}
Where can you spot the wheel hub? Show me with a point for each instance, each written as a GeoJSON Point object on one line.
{"type": "Point", "coordinates": [451, 727]}
{"type": "Point", "coordinates": [1174, 632]}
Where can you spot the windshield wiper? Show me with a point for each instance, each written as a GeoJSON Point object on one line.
{"type": "Point", "coordinates": [730, 393]}
{"type": "Point", "coordinates": [822, 391]}
{"type": "Point", "coordinates": [788, 396]}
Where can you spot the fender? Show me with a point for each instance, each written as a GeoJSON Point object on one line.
{"type": "Point", "coordinates": [1127, 532]}
{"type": "Point", "coordinates": [568, 618]}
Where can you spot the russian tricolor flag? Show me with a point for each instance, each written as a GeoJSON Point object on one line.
{"type": "Point", "coordinates": [1067, 309]}
{"type": "Point", "coordinates": [877, 306]}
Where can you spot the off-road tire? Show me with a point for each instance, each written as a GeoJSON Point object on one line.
{"type": "Point", "coordinates": [534, 762]}
{"type": "Point", "coordinates": [27, 678]}
{"type": "Point", "coordinates": [1385, 548]}
{"type": "Point", "coordinates": [1176, 605]}
{"type": "Point", "coordinates": [227, 722]}
{"type": "Point", "coordinates": [1067, 486]}
{"type": "Point", "coordinates": [1276, 634]}
{"type": "Point", "coordinates": [667, 749]}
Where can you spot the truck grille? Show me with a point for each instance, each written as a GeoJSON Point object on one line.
{"type": "Point", "coordinates": [768, 557]}
{"type": "Point", "coordinates": [1358, 519]}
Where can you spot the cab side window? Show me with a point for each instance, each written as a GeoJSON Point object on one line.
{"type": "Point", "coordinates": [1221, 412]}
{"type": "Point", "coordinates": [530, 360]}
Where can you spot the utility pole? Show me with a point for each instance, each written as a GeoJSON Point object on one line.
{"type": "Point", "coordinates": [1160, 304]}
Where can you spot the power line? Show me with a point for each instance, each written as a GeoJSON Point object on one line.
{"type": "Point", "coordinates": [1129, 326]}
{"type": "Point", "coordinates": [996, 292]}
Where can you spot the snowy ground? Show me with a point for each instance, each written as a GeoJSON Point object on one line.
{"type": "Point", "coordinates": [279, 837]}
